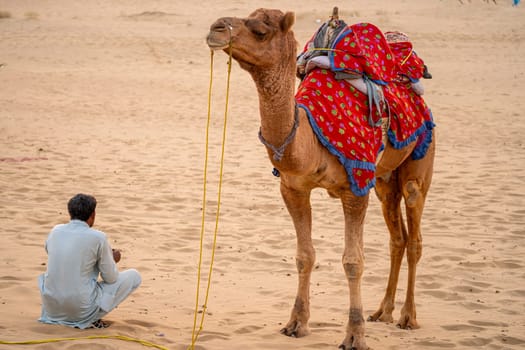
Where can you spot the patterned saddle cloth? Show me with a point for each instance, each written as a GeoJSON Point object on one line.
{"type": "Point", "coordinates": [342, 117]}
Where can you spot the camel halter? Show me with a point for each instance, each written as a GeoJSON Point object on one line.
{"type": "Point", "coordinates": [278, 152]}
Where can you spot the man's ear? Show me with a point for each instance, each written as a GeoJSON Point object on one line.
{"type": "Point", "coordinates": [287, 21]}
{"type": "Point", "coordinates": [91, 219]}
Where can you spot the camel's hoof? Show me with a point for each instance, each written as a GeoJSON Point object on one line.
{"type": "Point", "coordinates": [408, 327]}
{"type": "Point", "coordinates": [291, 334]}
{"type": "Point", "coordinates": [359, 345]}
{"type": "Point", "coordinates": [380, 317]}
{"type": "Point", "coordinates": [343, 347]}
{"type": "Point", "coordinates": [295, 330]}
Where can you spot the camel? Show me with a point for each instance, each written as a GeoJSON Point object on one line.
{"type": "Point", "coordinates": [264, 45]}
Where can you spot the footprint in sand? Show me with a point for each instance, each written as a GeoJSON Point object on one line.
{"type": "Point", "coordinates": [443, 295]}
{"type": "Point", "coordinates": [325, 326]}
{"type": "Point", "coordinates": [247, 329]}
{"type": "Point", "coordinates": [142, 323]}
{"type": "Point", "coordinates": [206, 336]}
{"type": "Point", "coordinates": [475, 342]}
{"type": "Point", "coordinates": [11, 281]}
{"type": "Point", "coordinates": [435, 344]}
{"type": "Point", "coordinates": [463, 328]}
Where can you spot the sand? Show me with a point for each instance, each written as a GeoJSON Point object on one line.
{"type": "Point", "coordinates": [111, 98]}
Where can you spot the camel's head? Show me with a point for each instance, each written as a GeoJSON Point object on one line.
{"type": "Point", "coordinates": [261, 40]}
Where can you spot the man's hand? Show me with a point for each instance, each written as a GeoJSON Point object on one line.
{"type": "Point", "coordinates": [116, 255]}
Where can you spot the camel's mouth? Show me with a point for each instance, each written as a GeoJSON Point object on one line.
{"type": "Point", "coordinates": [215, 43]}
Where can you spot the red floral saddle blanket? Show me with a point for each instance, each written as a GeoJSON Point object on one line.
{"type": "Point", "coordinates": [340, 114]}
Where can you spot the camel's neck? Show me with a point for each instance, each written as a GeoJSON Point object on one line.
{"type": "Point", "coordinates": [276, 88]}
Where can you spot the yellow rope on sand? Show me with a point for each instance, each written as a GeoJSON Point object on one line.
{"type": "Point", "coordinates": [55, 340]}
{"type": "Point", "coordinates": [196, 332]}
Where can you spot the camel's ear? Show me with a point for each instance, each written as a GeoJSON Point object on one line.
{"type": "Point", "coordinates": [287, 21]}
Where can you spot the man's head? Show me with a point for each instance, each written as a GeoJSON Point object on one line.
{"type": "Point", "coordinates": [82, 207]}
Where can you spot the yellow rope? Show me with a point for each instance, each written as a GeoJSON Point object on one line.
{"type": "Point", "coordinates": [193, 336]}
{"type": "Point", "coordinates": [196, 332]}
{"type": "Point", "coordinates": [408, 56]}
{"type": "Point", "coordinates": [55, 340]}
{"type": "Point", "coordinates": [324, 49]}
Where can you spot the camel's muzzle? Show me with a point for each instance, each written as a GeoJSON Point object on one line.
{"type": "Point", "coordinates": [220, 33]}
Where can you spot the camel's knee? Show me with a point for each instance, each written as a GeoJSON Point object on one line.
{"type": "Point", "coordinates": [305, 263]}
{"type": "Point", "coordinates": [353, 271]}
{"type": "Point", "coordinates": [397, 243]}
{"type": "Point", "coordinates": [412, 193]}
{"type": "Point", "coordinates": [414, 251]}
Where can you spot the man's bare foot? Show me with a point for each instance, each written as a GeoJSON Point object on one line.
{"type": "Point", "coordinates": [116, 255]}
{"type": "Point", "coordinates": [100, 324]}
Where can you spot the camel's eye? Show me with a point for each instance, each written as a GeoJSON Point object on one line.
{"type": "Point", "coordinates": [259, 29]}
{"type": "Point", "coordinates": [259, 35]}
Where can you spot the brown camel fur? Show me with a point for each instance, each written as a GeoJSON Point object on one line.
{"type": "Point", "coordinates": [264, 45]}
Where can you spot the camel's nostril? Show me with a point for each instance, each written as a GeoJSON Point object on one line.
{"type": "Point", "coordinates": [221, 25]}
{"type": "Point", "coordinates": [218, 27]}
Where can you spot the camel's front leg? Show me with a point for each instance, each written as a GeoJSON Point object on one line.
{"type": "Point", "coordinates": [298, 204]}
{"type": "Point", "coordinates": [353, 263]}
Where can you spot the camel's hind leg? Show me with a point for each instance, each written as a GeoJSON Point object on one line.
{"type": "Point", "coordinates": [411, 182]}
{"type": "Point", "coordinates": [415, 179]}
{"type": "Point", "coordinates": [298, 204]}
{"type": "Point", "coordinates": [390, 196]}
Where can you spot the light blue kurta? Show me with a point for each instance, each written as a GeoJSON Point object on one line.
{"type": "Point", "coordinates": [70, 290]}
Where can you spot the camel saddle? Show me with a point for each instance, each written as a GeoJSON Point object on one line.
{"type": "Point", "coordinates": [355, 123]}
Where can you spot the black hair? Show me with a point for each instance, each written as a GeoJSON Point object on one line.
{"type": "Point", "coordinates": [81, 206]}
